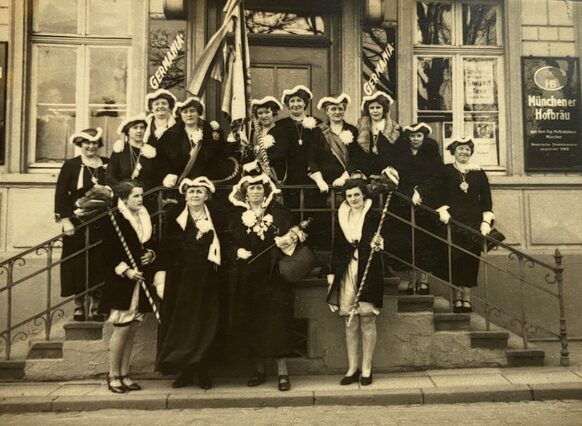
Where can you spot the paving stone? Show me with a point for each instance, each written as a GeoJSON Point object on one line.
{"type": "Point", "coordinates": [542, 377]}
{"type": "Point", "coordinates": [468, 394]}
{"type": "Point", "coordinates": [75, 389]}
{"type": "Point", "coordinates": [212, 399]}
{"type": "Point", "coordinates": [27, 389]}
{"type": "Point", "coordinates": [551, 391]}
{"type": "Point", "coordinates": [470, 380]}
{"type": "Point", "coordinates": [382, 381]}
{"type": "Point", "coordinates": [130, 400]}
{"type": "Point", "coordinates": [369, 397]}
{"type": "Point", "coordinates": [33, 404]}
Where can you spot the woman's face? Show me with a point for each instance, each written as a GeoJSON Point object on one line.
{"type": "Point", "coordinates": [297, 106]}
{"type": "Point", "coordinates": [136, 132]}
{"type": "Point", "coordinates": [336, 113]}
{"type": "Point", "coordinates": [196, 196]}
{"type": "Point", "coordinates": [89, 148]}
{"type": "Point", "coordinates": [265, 116]}
{"type": "Point", "coordinates": [416, 139]}
{"type": "Point", "coordinates": [463, 154]}
{"type": "Point", "coordinates": [256, 193]}
{"type": "Point", "coordinates": [355, 197]}
{"type": "Point", "coordinates": [190, 116]}
{"type": "Point", "coordinates": [161, 108]}
{"type": "Point", "coordinates": [135, 200]}
{"type": "Point", "coordinates": [376, 111]}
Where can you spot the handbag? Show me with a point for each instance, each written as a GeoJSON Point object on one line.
{"type": "Point", "coordinates": [295, 267]}
{"type": "Point", "coordinates": [496, 235]}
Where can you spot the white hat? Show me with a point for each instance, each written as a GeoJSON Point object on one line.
{"type": "Point", "coordinates": [419, 127]}
{"type": "Point", "coordinates": [296, 91]}
{"type": "Point", "coordinates": [237, 196]}
{"type": "Point", "coordinates": [265, 102]}
{"type": "Point", "coordinates": [90, 134]}
{"type": "Point", "coordinates": [325, 101]}
{"type": "Point", "coordinates": [374, 96]}
{"type": "Point", "coordinates": [159, 94]}
{"type": "Point", "coordinates": [190, 100]}
{"type": "Point", "coordinates": [199, 181]}
{"type": "Point", "coordinates": [130, 122]}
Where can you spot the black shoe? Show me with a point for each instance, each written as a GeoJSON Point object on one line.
{"type": "Point", "coordinates": [366, 381]}
{"type": "Point", "coordinates": [458, 306]}
{"type": "Point", "coordinates": [116, 389]}
{"type": "Point", "coordinates": [467, 308]}
{"type": "Point", "coordinates": [424, 289]}
{"type": "Point", "coordinates": [204, 381]}
{"type": "Point", "coordinates": [129, 384]}
{"type": "Point", "coordinates": [184, 379]}
{"type": "Point", "coordinates": [258, 379]}
{"type": "Point", "coordinates": [411, 288]}
{"type": "Point", "coordinates": [284, 383]}
{"type": "Point", "coordinates": [96, 316]}
{"type": "Point", "coordinates": [348, 380]}
{"type": "Point", "coordinates": [79, 314]}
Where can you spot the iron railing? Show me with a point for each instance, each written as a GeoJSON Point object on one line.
{"type": "Point", "coordinates": [306, 201]}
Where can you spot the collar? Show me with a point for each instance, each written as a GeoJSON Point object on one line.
{"type": "Point", "coordinates": [142, 216]}
{"type": "Point", "coordinates": [351, 234]}
{"type": "Point", "coordinates": [464, 168]}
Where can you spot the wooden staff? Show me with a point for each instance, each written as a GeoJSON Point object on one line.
{"type": "Point", "coordinates": [134, 265]}
{"type": "Point", "coordinates": [363, 283]}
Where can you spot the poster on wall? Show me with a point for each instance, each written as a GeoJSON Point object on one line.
{"type": "Point", "coordinates": [479, 82]}
{"type": "Point", "coordinates": [379, 61]}
{"type": "Point", "coordinates": [551, 114]}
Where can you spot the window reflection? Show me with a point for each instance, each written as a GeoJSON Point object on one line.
{"type": "Point", "coordinates": [259, 22]}
{"type": "Point", "coordinates": [435, 87]}
{"type": "Point", "coordinates": [433, 23]}
{"type": "Point", "coordinates": [479, 25]}
{"type": "Point", "coordinates": [57, 16]}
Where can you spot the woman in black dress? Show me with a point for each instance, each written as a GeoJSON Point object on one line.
{"type": "Point", "coordinates": [160, 105]}
{"type": "Point", "coordinates": [355, 239]}
{"type": "Point", "coordinates": [187, 282]}
{"type": "Point", "coordinates": [466, 197]}
{"type": "Point", "coordinates": [266, 299]}
{"type": "Point", "coordinates": [419, 164]}
{"type": "Point", "coordinates": [77, 176]}
{"type": "Point", "coordinates": [122, 293]}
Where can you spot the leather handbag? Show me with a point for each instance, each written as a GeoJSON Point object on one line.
{"type": "Point", "coordinates": [496, 235]}
{"type": "Point", "coordinates": [295, 267]}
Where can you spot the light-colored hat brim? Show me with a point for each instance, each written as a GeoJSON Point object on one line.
{"type": "Point", "coordinates": [291, 92]}
{"type": "Point", "coordinates": [135, 118]}
{"type": "Point", "coordinates": [374, 96]}
{"type": "Point", "coordinates": [188, 101]}
{"type": "Point", "coordinates": [263, 101]}
{"type": "Point", "coordinates": [86, 136]}
{"type": "Point", "coordinates": [418, 128]}
{"type": "Point", "coordinates": [236, 196]}
{"type": "Point", "coordinates": [199, 181]}
{"type": "Point", "coordinates": [158, 94]}
{"type": "Point", "coordinates": [343, 98]}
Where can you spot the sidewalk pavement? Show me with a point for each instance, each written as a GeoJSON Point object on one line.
{"type": "Point", "coordinates": [419, 387]}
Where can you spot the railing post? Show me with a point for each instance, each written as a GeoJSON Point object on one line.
{"type": "Point", "coordinates": [86, 297]}
{"type": "Point", "coordinates": [564, 353]}
{"type": "Point", "coordinates": [486, 294]}
{"type": "Point", "coordinates": [9, 281]}
{"type": "Point", "coordinates": [521, 302]}
{"type": "Point", "coordinates": [450, 265]}
{"type": "Point", "coordinates": [412, 235]}
{"type": "Point", "coordinates": [49, 263]}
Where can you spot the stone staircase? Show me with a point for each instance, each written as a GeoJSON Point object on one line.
{"type": "Point", "coordinates": [414, 333]}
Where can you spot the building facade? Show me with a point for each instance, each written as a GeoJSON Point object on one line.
{"type": "Point", "coordinates": [465, 67]}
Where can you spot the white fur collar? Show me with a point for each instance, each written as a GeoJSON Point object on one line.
{"type": "Point", "coordinates": [467, 167]}
{"type": "Point", "coordinates": [214, 249]}
{"type": "Point", "coordinates": [352, 234]}
{"type": "Point", "coordinates": [144, 220]}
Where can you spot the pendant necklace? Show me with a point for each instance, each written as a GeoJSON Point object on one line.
{"type": "Point", "coordinates": [299, 132]}
{"type": "Point", "coordinates": [463, 185]}
{"type": "Point", "coordinates": [94, 175]}
{"type": "Point", "coordinates": [135, 163]}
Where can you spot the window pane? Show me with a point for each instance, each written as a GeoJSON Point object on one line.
{"type": "Point", "coordinates": [54, 126]}
{"type": "Point", "coordinates": [259, 22]}
{"type": "Point", "coordinates": [57, 16]}
{"type": "Point", "coordinates": [480, 24]}
{"type": "Point", "coordinates": [108, 118]}
{"type": "Point", "coordinates": [480, 83]}
{"type": "Point", "coordinates": [435, 86]}
{"type": "Point", "coordinates": [434, 23]}
{"type": "Point", "coordinates": [484, 129]}
{"type": "Point", "coordinates": [109, 17]}
{"type": "Point", "coordinates": [108, 76]}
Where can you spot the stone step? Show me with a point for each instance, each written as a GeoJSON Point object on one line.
{"type": "Point", "coordinates": [525, 357]}
{"type": "Point", "coordinates": [413, 303]}
{"type": "Point", "coordinates": [452, 322]}
{"type": "Point", "coordinates": [45, 350]}
{"type": "Point", "coordinates": [11, 370]}
{"type": "Point", "coordinates": [88, 330]}
{"type": "Point", "coordinates": [489, 339]}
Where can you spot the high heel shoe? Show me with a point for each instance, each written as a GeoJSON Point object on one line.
{"type": "Point", "coordinates": [467, 308]}
{"type": "Point", "coordinates": [366, 381]}
{"type": "Point", "coordinates": [348, 380]}
{"type": "Point", "coordinates": [129, 383]}
{"type": "Point", "coordinates": [204, 380]}
{"type": "Point", "coordinates": [116, 389]}
{"type": "Point", "coordinates": [458, 306]}
{"type": "Point", "coordinates": [184, 379]}
{"type": "Point", "coordinates": [423, 288]}
{"type": "Point", "coordinates": [284, 384]}
{"type": "Point", "coordinates": [258, 379]}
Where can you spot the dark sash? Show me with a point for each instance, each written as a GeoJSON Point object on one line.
{"type": "Point", "coordinates": [194, 151]}
{"type": "Point", "coordinates": [338, 148]}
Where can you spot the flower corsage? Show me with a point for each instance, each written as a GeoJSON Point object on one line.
{"type": "Point", "coordinates": [268, 141]}
{"type": "Point", "coordinates": [252, 222]}
{"type": "Point", "coordinates": [309, 123]}
{"type": "Point", "coordinates": [215, 128]}
{"type": "Point", "coordinates": [346, 137]}
{"type": "Point", "coordinates": [118, 146]}
{"type": "Point", "coordinates": [203, 226]}
{"type": "Point", "coordinates": [148, 151]}
{"type": "Point", "coordinates": [196, 136]}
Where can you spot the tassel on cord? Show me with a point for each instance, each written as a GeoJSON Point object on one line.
{"type": "Point", "coordinates": [356, 304]}
{"type": "Point", "coordinates": [134, 265]}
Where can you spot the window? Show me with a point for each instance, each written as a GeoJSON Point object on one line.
{"type": "Point", "coordinates": [261, 22]}
{"type": "Point", "coordinates": [80, 65]}
{"type": "Point", "coordinates": [459, 66]}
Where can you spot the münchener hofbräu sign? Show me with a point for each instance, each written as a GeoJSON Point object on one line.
{"type": "Point", "coordinates": [551, 114]}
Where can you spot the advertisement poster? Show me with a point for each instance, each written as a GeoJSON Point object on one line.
{"type": "Point", "coordinates": [479, 83]}
{"type": "Point", "coordinates": [551, 109]}
{"type": "Point", "coordinates": [167, 56]}
{"type": "Point", "coordinates": [379, 61]}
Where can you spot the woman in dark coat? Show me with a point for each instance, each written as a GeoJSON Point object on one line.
{"type": "Point", "coordinates": [466, 197]}
{"type": "Point", "coordinates": [354, 240]}
{"type": "Point", "coordinates": [188, 281]}
{"type": "Point", "coordinates": [122, 293]}
{"type": "Point", "coordinates": [419, 164]}
{"type": "Point", "coordinates": [266, 299]}
{"type": "Point", "coordinates": [160, 105]}
{"type": "Point", "coordinates": [193, 147]}
{"type": "Point", "coordinates": [77, 176]}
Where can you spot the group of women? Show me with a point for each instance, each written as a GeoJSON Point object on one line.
{"type": "Point", "coordinates": [202, 237]}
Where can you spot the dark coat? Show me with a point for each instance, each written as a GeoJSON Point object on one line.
{"type": "Point", "coordinates": [373, 164]}
{"type": "Point", "coordinates": [66, 193]}
{"type": "Point", "coordinates": [118, 290]}
{"type": "Point", "coordinates": [266, 300]}
{"type": "Point", "coordinates": [343, 252]}
{"type": "Point", "coordinates": [321, 158]}
{"type": "Point", "coordinates": [121, 167]}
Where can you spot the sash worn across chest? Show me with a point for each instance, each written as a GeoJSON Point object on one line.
{"type": "Point", "coordinates": [338, 148]}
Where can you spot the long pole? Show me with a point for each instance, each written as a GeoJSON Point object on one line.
{"type": "Point", "coordinates": [134, 265]}
{"type": "Point", "coordinates": [369, 262]}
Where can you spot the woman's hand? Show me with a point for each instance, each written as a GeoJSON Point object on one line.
{"type": "Point", "coordinates": [444, 216]}
{"type": "Point", "coordinates": [416, 198]}
{"type": "Point", "coordinates": [148, 257]}
{"type": "Point", "coordinates": [485, 228]}
{"type": "Point", "coordinates": [133, 274]}
{"type": "Point", "coordinates": [377, 243]}
{"type": "Point", "coordinates": [68, 227]}
{"type": "Point", "coordinates": [243, 254]}
{"type": "Point", "coordinates": [330, 278]}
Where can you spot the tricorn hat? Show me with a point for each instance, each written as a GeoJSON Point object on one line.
{"type": "Point", "coordinates": [461, 141]}
{"type": "Point", "coordinates": [267, 102]}
{"type": "Point", "coordinates": [343, 98]}
{"type": "Point", "coordinates": [159, 94]}
{"type": "Point", "coordinates": [191, 101]}
{"type": "Point", "coordinates": [129, 122]}
{"type": "Point", "coordinates": [199, 181]}
{"type": "Point", "coordinates": [299, 90]}
{"type": "Point", "coordinates": [238, 194]}
{"type": "Point", "coordinates": [418, 127]}
{"type": "Point", "coordinates": [376, 96]}
{"type": "Point", "coordinates": [91, 134]}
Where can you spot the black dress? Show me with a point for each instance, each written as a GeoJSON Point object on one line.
{"type": "Point", "coordinates": [66, 193]}
{"type": "Point", "coordinates": [190, 306]}
{"type": "Point", "coordinates": [122, 165]}
{"type": "Point", "coordinates": [468, 209]}
{"type": "Point", "coordinates": [266, 300]}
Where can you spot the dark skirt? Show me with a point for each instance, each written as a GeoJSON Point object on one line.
{"type": "Point", "coordinates": [465, 267]}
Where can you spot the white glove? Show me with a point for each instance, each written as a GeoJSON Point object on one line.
{"type": "Point", "coordinates": [317, 177]}
{"type": "Point", "coordinates": [392, 174]}
{"type": "Point", "coordinates": [160, 283]}
{"type": "Point", "coordinates": [416, 198]}
{"type": "Point", "coordinates": [341, 181]}
{"type": "Point", "coordinates": [485, 228]}
{"type": "Point", "coordinates": [249, 167]}
{"type": "Point", "coordinates": [243, 254]}
{"type": "Point", "coordinates": [444, 215]}
{"type": "Point", "coordinates": [170, 180]}
{"type": "Point", "coordinates": [330, 278]}
{"type": "Point", "coordinates": [333, 308]}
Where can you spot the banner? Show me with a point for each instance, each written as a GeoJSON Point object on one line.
{"type": "Point", "coordinates": [379, 61]}
{"type": "Point", "coordinates": [551, 114]}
